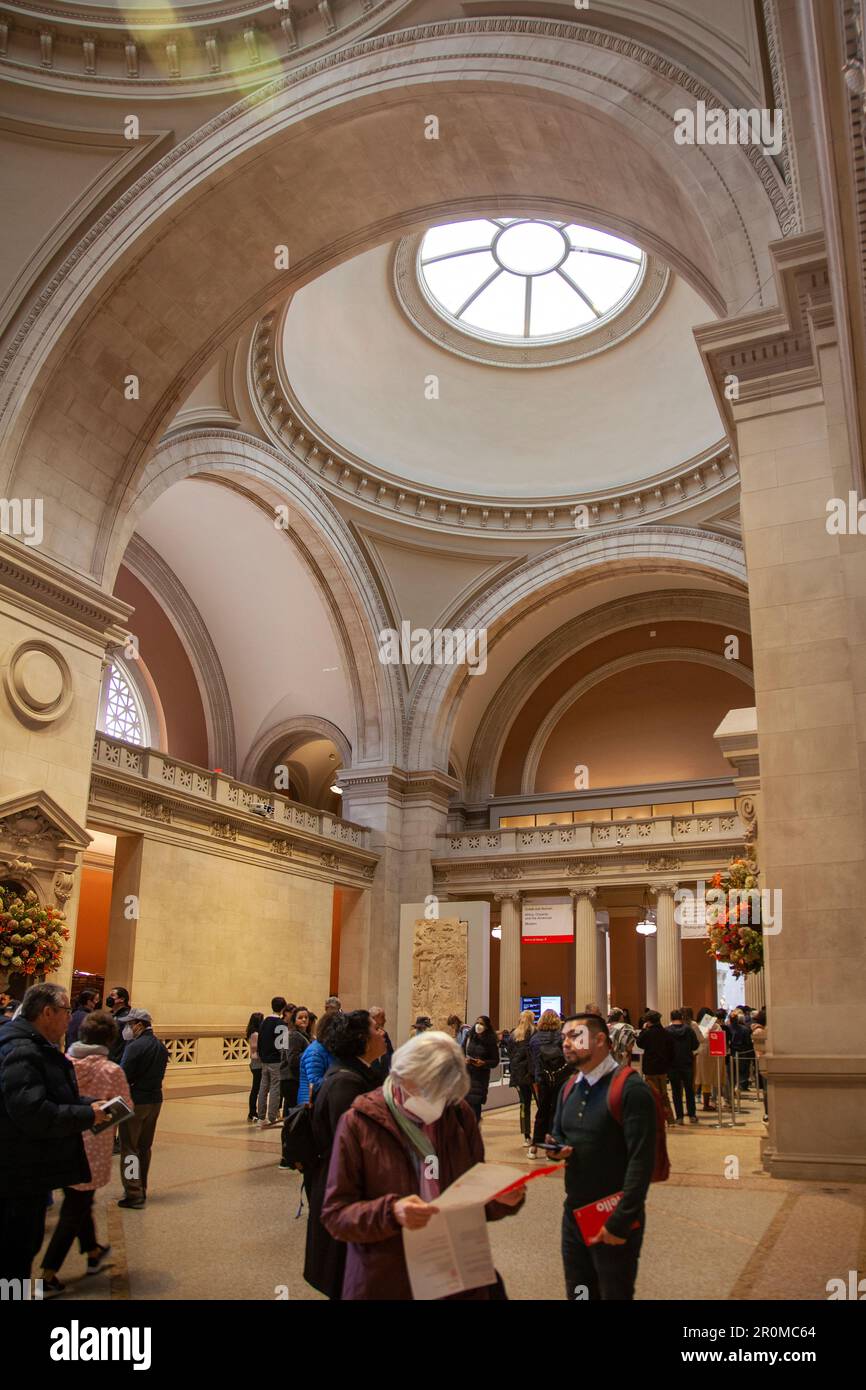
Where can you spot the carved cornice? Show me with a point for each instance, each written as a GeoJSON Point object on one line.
{"type": "Point", "coordinates": [193, 50]}
{"type": "Point", "coordinates": [775, 350]}
{"type": "Point", "coordinates": [150, 568]}
{"type": "Point", "coordinates": [47, 589]}
{"type": "Point", "coordinates": [710, 474]}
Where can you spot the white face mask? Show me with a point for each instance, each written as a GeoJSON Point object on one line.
{"type": "Point", "coordinates": [127, 1033]}
{"type": "Point", "coordinates": [479, 1027]}
{"type": "Point", "coordinates": [427, 1111]}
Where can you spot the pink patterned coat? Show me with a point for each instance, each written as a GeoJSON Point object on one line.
{"type": "Point", "coordinates": [99, 1079]}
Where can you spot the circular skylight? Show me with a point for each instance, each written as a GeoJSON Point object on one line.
{"type": "Point", "coordinates": [527, 279]}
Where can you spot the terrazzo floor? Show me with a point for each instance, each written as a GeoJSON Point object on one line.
{"type": "Point", "coordinates": [221, 1222]}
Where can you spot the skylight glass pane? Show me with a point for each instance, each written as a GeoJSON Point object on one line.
{"type": "Point", "coordinates": [456, 237]}
{"type": "Point", "coordinates": [500, 308]}
{"type": "Point", "coordinates": [605, 281]}
{"type": "Point", "coordinates": [452, 282]}
{"type": "Point", "coordinates": [588, 236]}
{"type": "Point", "coordinates": [555, 307]}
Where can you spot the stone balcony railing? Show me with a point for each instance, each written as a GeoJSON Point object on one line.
{"type": "Point", "coordinates": [595, 836]}
{"type": "Point", "coordinates": [222, 792]}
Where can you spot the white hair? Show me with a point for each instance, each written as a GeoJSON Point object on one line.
{"type": "Point", "coordinates": [433, 1065]}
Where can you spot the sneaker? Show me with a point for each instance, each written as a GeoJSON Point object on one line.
{"type": "Point", "coordinates": [693, 1119]}
{"type": "Point", "coordinates": [132, 1203]}
{"type": "Point", "coordinates": [680, 1122]}
{"type": "Point", "coordinates": [97, 1262]}
{"type": "Point", "coordinates": [532, 1152]}
{"type": "Point", "coordinates": [52, 1288]}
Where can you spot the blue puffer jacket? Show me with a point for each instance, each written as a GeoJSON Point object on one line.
{"type": "Point", "coordinates": [315, 1061]}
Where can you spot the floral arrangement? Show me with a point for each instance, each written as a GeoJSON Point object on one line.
{"type": "Point", "coordinates": [31, 936]}
{"type": "Point", "coordinates": [732, 938]}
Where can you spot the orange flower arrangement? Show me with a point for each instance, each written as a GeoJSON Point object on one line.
{"type": "Point", "coordinates": [731, 939]}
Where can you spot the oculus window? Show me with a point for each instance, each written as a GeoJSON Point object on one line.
{"type": "Point", "coordinates": [518, 279]}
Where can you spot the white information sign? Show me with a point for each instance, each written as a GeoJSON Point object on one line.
{"type": "Point", "coordinates": [548, 920]}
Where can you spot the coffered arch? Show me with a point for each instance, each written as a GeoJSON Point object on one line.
{"type": "Point", "coordinates": [664, 550]}
{"type": "Point", "coordinates": [726, 609]}
{"type": "Point", "coordinates": [187, 256]}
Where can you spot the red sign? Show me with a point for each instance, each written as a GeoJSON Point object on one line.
{"type": "Point", "coordinates": [718, 1043]}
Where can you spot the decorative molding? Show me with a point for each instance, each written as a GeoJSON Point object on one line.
{"type": "Point", "coordinates": [418, 309]}
{"type": "Point", "coordinates": [38, 682]}
{"type": "Point", "coordinates": [781, 102]}
{"type": "Point", "coordinates": [289, 427]}
{"type": "Point", "coordinates": [152, 571]}
{"type": "Point", "coordinates": [146, 792]}
{"type": "Point", "coordinates": [694, 655]}
{"type": "Point", "coordinates": [47, 589]}
{"type": "Point", "coordinates": [183, 51]}
{"type": "Point", "coordinates": [773, 351]}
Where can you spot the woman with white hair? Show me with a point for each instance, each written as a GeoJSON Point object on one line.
{"type": "Point", "coordinates": [394, 1152]}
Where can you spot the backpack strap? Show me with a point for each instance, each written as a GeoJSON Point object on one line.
{"type": "Point", "coordinates": [569, 1087]}
{"type": "Point", "coordinates": [618, 1083]}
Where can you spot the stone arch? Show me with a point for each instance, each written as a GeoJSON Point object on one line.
{"type": "Point", "coordinates": [670, 549]}
{"type": "Point", "coordinates": [693, 655]}
{"type": "Point", "coordinates": [275, 740]}
{"type": "Point", "coordinates": [324, 542]}
{"type": "Point", "coordinates": [672, 605]}
{"type": "Point", "coordinates": [186, 256]}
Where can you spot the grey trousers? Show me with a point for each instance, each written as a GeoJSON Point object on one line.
{"type": "Point", "coordinates": [268, 1104]}
{"type": "Point", "coordinates": [136, 1142]}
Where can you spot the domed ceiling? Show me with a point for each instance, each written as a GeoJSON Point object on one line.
{"type": "Point", "coordinates": [376, 386]}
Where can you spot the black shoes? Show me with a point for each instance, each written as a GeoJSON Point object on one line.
{"type": "Point", "coordinates": [132, 1203]}
{"type": "Point", "coordinates": [97, 1262]}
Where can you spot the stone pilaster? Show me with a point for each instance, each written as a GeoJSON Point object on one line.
{"type": "Point", "coordinates": [509, 957]}
{"type": "Point", "coordinates": [807, 593]}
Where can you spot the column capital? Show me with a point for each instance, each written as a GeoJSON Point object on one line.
{"type": "Point", "coordinates": [577, 893]}
{"type": "Point", "coordinates": [657, 888]}
{"type": "Point", "coordinates": [507, 895]}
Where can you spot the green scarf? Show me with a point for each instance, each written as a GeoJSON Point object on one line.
{"type": "Point", "coordinates": [415, 1136]}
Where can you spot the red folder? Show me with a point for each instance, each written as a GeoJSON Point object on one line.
{"type": "Point", "coordinates": [592, 1217]}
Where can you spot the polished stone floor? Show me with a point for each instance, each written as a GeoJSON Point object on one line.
{"type": "Point", "coordinates": [221, 1222]}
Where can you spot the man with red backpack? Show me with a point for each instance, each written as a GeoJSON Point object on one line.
{"type": "Point", "coordinates": [606, 1126]}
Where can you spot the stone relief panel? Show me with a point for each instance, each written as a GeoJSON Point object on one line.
{"type": "Point", "coordinates": [440, 968]}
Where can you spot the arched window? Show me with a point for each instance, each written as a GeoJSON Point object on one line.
{"type": "Point", "coordinates": [122, 710]}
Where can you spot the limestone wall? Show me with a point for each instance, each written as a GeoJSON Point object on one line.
{"type": "Point", "coordinates": [217, 937]}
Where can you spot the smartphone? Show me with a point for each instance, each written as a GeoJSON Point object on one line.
{"type": "Point", "coordinates": [115, 1112]}
{"type": "Point", "coordinates": [551, 1148]}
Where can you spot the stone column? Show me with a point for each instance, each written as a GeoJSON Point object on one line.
{"type": "Point", "coordinates": [509, 957]}
{"type": "Point", "coordinates": [585, 947]}
{"type": "Point", "coordinates": [669, 951]}
{"type": "Point", "coordinates": [652, 971]}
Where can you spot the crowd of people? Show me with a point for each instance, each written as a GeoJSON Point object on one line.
{"type": "Point", "coordinates": [377, 1133]}
{"type": "Point", "coordinates": [58, 1068]}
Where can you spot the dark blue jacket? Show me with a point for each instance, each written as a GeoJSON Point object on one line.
{"type": "Point", "coordinates": [42, 1115]}
{"type": "Point", "coordinates": [144, 1060]}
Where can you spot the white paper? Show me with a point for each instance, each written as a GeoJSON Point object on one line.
{"type": "Point", "coordinates": [452, 1252]}
{"type": "Point", "coordinates": [479, 1185]}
